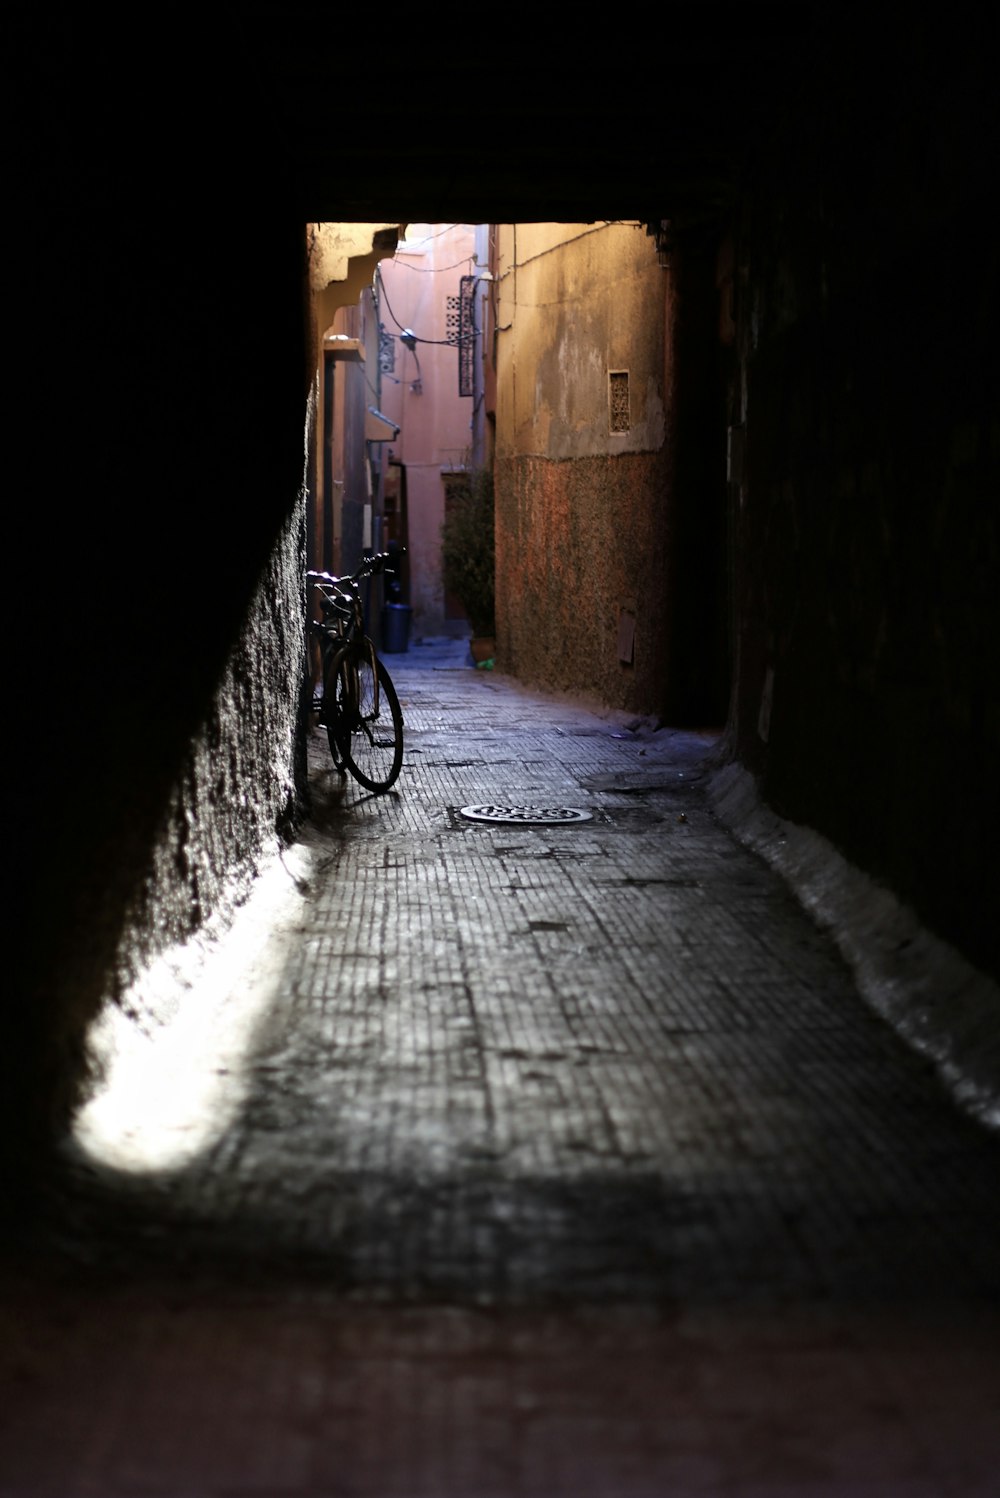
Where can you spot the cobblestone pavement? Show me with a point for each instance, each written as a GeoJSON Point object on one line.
{"type": "Point", "coordinates": [515, 1159]}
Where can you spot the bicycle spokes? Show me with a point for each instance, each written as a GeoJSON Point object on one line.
{"type": "Point", "coordinates": [360, 710]}
{"type": "Point", "coordinates": [374, 750]}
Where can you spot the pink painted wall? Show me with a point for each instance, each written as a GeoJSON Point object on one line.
{"type": "Point", "coordinates": [421, 396]}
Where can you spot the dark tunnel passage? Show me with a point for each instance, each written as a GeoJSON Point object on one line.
{"type": "Point", "coordinates": [861, 562]}
{"type": "Point", "coordinates": [506, 1161]}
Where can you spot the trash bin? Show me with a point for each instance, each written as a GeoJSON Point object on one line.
{"type": "Point", "coordinates": [395, 628]}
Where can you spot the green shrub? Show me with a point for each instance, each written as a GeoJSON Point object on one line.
{"type": "Point", "coordinates": [467, 549]}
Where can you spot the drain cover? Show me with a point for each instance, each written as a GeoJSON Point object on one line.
{"type": "Point", "coordinates": [546, 816]}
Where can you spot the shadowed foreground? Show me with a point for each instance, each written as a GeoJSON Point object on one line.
{"type": "Point", "coordinates": [502, 1159]}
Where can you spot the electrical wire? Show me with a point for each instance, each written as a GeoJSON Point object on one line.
{"type": "Point", "coordinates": [610, 223]}
{"type": "Point", "coordinates": [436, 342]}
{"type": "Point", "coordinates": [432, 270]}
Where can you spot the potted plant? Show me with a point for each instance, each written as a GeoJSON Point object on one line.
{"type": "Point", "coordinates": [468, 557]}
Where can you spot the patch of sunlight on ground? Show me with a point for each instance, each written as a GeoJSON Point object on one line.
{"type": "Point", "coordinates": [173, 1080]}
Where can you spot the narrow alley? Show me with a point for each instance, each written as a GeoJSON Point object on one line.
{"type": "Point", "coordinates": [505, 1158]}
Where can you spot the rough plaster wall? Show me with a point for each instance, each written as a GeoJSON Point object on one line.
{"type": "Point", "coordinates": [575, 302]}
{"type": "Point", "coordinates": [582, 512]}
{"type": "Point", "coordinates": [868, 535]}
{"type": "Point", "coordinates": [170, 638]}
{"type": "Point", "coordinates": [570, 387]}
{"type": "Point", "coordinates": [241, 785]}
{"type": "Point", "coordinates": [332, 247]}
{"type": "Point", "coordinates": [238, 790]}
{"type": "Point", "coordinates": [576, 541]}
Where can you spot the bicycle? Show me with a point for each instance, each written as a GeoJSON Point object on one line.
{"type": "Point", "coordinates": [358, 705]}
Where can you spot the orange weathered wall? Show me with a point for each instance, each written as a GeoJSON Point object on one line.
{"type": "Point", "coordinates": [578, 542]}
{"type": "Point", "coordinates": [583, 530]}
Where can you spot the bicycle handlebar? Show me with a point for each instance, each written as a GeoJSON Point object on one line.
{"type": "Point", "coordinates": [372, 566]}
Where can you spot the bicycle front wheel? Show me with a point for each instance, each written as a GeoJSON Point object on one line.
{"type": "Point", "coordinates": [371, 723]}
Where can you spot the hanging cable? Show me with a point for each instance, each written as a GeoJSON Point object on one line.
{"type": "Point", "coordinates": [438, 342]}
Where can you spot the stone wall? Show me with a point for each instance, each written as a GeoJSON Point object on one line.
{"type": "Point", "coordinates": [866, 523]}
{"type": "Point", "coordinates": [580, 544]}
{"type": "Point", "coordinates": [611, 544]}
{"type": "Point", "coordinates": [161, 617]}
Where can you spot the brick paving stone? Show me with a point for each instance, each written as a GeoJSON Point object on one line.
{"type": "Point", "coordinates": [554, 1160]}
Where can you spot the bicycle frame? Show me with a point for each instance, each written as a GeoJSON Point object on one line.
{"type": "Point", "coordinates": [342, 630]}
{"type": "Point", "coordinates": [362, 738]}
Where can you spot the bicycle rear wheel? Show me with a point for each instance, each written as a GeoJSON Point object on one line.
{"type": "Point", "coordinates": [370, 732]}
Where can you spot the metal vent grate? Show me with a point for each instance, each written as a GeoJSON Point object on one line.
{"type": "Point", "coordinates": [619, 416]}
{"type": "Point", "coordinates": [541, 816]}
{"type": "Point", "coordinates": [460, 325]}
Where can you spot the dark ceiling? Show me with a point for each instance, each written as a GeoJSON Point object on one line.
{"type": "Point", "coordinates": [552, 139]}
{"type": "Point", "coordinates": [370, 117]}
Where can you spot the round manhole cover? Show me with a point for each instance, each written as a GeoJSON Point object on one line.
{"type": "Point", "coordinates": [546, 816]}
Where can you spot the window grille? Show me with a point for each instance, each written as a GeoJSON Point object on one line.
{"type": "Point", "coordinates": [461, 330]}
{"type": "Point", "coordinates": [619, 416]}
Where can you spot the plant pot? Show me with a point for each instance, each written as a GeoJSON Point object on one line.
{"type": "Point", "coordinates": [483, 648]}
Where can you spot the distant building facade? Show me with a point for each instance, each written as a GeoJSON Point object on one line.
{"type": "Point", "coordinates": [429, 306]}
{"type": "Point", "coordinates": [589, 510]}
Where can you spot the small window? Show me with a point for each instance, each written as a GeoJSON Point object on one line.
{"type": "Point", "coordinates": [619, 419]}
